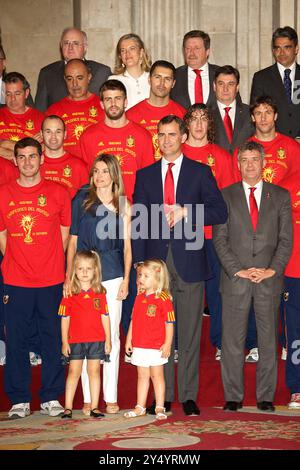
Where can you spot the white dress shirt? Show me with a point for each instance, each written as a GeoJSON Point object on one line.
{"type": "Point", "coordinates": [138, 89]}
{"type": "Point", "coordinates": [205, 83]}
{"type": "Point", "coordinates": [292, 68]}
{"type": "Point", "coordinates": [231, 113]}
{"type": "Point", "coordinates": [257, 193]}
{"type": "Point", "coordinates": [175, 170]}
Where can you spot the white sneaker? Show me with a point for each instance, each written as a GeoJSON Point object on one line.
{"type": "Point", "coordinates": [127, 358]}
{"type": "Point", "coordinates": [20, 410]}
{"type": "Point", "coordinates": [284, 354]}
{"type": "Point", "coordinates": [218, 354]}
{"type": "Point", "coordinates": [294, 404]}
{"type": "Point", "coordinates": [252, 356]}
{"type": "Point", "coordinates": [51, 408]}
{"type": "Point", "coordinates": [35, 359]}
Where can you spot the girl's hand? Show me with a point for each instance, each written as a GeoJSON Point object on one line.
{"type": "Point", "coordinates": [165, 351]}
{"type": "Point", "coordinates": [128, 347]}
{"type": "Point", "coordinates": [65, 349]}
{"type": "Point", "coordinates": [107, 347]}
{"type": "Point", "coordinates": [123, 290]}
{"type": "Point", "coordinates": [67, 288]}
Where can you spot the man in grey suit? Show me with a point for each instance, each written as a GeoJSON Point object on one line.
{"type": "Point", "coordinates": [253, 246]}
{"type": "Point", "coordinates": [231, 116]}
{"type": "Point", "coordinates": [196, 49]}
{"type": "Point", "coordinates": [51, 84]}
{"type": "Point", "coordinates": [280, 81]}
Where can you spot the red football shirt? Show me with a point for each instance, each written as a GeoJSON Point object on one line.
{"type": "Point", "coordinates": [85, 310]}
{"type": "Point", "coordinates": [34, 255]}
{"type": "Point", "coordinates": [69, 171]}
{"type": "Point", "coordinates": [149, 316]}
{"type": "Point", "coordinates": [77, 116]}
{"type": "Point", "coordinates": [8, 171]}
{"type": "Point", "coordinates": [220, 163]}
{"type": "Point", "coordinates": [148, 116]}
{"type": "Point", "coordinates": [130, 144]}
{"type": "Point", "coordinates": [17, 126]}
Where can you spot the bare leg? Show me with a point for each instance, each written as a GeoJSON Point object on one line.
{"type": "Point", "coordinates": [142, 393]}
{"type": "Point", "coordinates": [75, 368]}
{"type": "Point", "coordinates": [93, 368]}
{"type": "Point", "coordinates": [158, 380]}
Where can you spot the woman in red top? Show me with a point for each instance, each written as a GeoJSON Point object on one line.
{"type": "Point", "coordinates": [85, 328]}
{"type": "Point", "coordinates": [150, 334]}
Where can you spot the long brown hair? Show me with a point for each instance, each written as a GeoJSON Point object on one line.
{"type": "Point", "coordinates": [146, 59]}
{"type": "Point", "coordinates": [117, 183]}
{"type": "Point", "coordinates": [96, 282]}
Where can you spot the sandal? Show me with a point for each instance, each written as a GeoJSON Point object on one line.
{"type": "Point", "coordinates": [95, 413]}
{"type": "Point", "coordinates": [160, 413]}
{"type": "Point", "coordinates": [67, 414]}
{"type": "Point", "coordinates": [134, 414]}
{"type": "Point", "coordinates": [112, 408]}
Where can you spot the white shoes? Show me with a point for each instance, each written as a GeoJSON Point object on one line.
{"type": "Point", "coordinates": [51, 408]}
{"type": "Point", "coordinates": [252, 356]}
{"type": "Point", "coordinates": [35, 359]}
{"type": "Point", "coordinates": [294, 404]}
{"type": "Point", "coordinates": [20, 410]}
{"type": "Point", "coordinates": [284, 354]}
{"type": "Point", "coordinates": [218, 354]}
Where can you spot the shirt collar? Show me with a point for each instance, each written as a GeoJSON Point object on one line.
{"type": "Point", "coordinates": [176, 162]}
{"type": "Point", "coordinates": [281, 68]}
{"type": "Point", "coordinates": [258, 185]}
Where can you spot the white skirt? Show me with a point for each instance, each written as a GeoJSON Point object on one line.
{"type": "Point", "coordinates": [147, 357]}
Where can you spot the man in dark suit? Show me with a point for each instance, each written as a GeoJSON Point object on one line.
{"type": "Point", "coordinates": [196, 49]}
{"type": "Point", "coordinates": [279, 81]}
{"type": "Point", "coordinates": [170, 240]}
{"type": "Point", "coordinates": [231, 116]}
{"type": "Point", "coordinates": [253, 246]}
{"type": "Point", "coordinates": [51, 84]}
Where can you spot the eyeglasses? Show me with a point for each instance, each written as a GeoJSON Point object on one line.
{"type": "Point", "coordinates": [72, 43]}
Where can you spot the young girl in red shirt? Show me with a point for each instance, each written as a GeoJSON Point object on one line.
{"type": "Point", "coordinates": [150, 334]}
{"type": "Point", "coordinates": [85, 328]}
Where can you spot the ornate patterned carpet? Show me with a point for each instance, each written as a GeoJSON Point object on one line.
{"type": "Point", "coordinates": [213, 429]}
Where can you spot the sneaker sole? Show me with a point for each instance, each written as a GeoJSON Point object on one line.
{"type": "Point", "coordinates": [53, 414]}
{"type": "Point", "coordinates": [16, 416]}
{"type": "Point", "coordinates": [294, 407]}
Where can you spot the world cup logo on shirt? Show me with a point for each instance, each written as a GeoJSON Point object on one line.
{"type": "Point", "coordinates": [27, 223]}
{"type": "Point", "coordinates": [268, 175]}
{"type": "Point", "coordinates": [78, 131]}
{"type": "Point", "coordinates": [151, 310]}
{"type": "Point", "coordinates": [157, 154]}
{"type": "Point", "coordinates": [29, 125]}
{"type": "Point", "coordinates": [210, 160]}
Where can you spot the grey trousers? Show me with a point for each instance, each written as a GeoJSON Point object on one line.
{"type": "Point", "coordinates": [234, 331]}
{"type": "Point", "coordinates": [188, 299]}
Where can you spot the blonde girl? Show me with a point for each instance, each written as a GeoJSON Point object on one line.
{"type": "Point", "coordinates": [85, 328]}
{"type": "Point", "coordinates": [150, 334]}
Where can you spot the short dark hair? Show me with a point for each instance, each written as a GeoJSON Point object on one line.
{"type": "Point", "coordinates": [228, 70]}
{"type": "Point", "coordinates": [28, 142]}
{"type": "Point", "coordinates": [263, 100]}
{"type": "Point", "coordinates": [197, 33]}
{"type": "Point", "coordinates": [172, 118]}
{"type": "Point", "coordinates": [285, 32]}
{"type": "Point", "coordinates": [112, 85]}
{"type": "Point", "coordinates": [251, 146]}
{"type": "Point", "coordinates": [52, 117]}
{"type": "Point", "coordinates": [15, 77]}
{"type": "Point", "coordinates": [162, 63]}
{"type": "Point", "coordinates": [205, 110]}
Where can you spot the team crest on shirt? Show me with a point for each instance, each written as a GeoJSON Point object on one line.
{"type": "Point", "coordinates": [130, 141]}
{"type": "Point", "coordinates": [151, 310]}
{"type": "Point", "coordinates": [93, 112]}
{"type": "Point", "coordinates": [281, 153]}
{"type": "Point", "coordinates": [97, 304]}
{"type": "Point", "coordinates": [210, 160]}
{"type": "Point", "coordinates": [268, 175]}
{"type": "Point", "coordinates": [42, 200]}
{"type": "Point", "coordinates": [67, 171]}
{"type": "Point", "coordinates": [78, 131]}
{"type": "Point", "coordinates": [30, 124]}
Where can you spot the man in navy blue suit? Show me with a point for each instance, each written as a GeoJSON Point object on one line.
{"type": "Point", "coordinates": [194, 188]}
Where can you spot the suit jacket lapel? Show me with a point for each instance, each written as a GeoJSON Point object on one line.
{"type": "Point", "coordinates": [243, 207]}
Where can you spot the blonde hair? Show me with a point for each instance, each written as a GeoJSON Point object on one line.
{"type": "Point", "coordinates": [159, 267]}
{"type": "Point", "coordinates": [117, 182]}
{"type": "Point", "coordinates": [96, 282]}
{"type": "Point", "coordinates": [146, 59]}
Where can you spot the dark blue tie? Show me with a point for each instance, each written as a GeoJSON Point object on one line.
{"type": "Point", "coordinates": [287, 82]}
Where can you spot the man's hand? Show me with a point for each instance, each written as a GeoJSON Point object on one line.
{"type": "Point", "coordinates": [174, 214]}
{"type": "Point", "coordinates": [246, 273]}
{"type": "Point", "coordinates": [260, 274]}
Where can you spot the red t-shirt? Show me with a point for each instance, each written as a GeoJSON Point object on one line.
{"type": "Point", "coordinates": [220, 163]}
{"type": "Point", "coordinates": [34, 255]}
{"type": "Point", "coordinates": [77, 116]}
{"type": "Point", "coordinates": [148, 116]}
{"type": "Point", "coordinates": [282, 154]}
{"type": "Point", "coordinates": [17, 126]}
{"type": "Point", "coordinates": [69, 171]}
{"type": "Point", "coordinates": [85, 310]}
{"type": "Point", "coordinates": [149, 315]}
{"type": "Point", "coordinates": [8, 171]}
{"type": "Point", "coordinates": [131, 145]}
